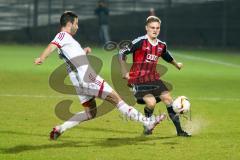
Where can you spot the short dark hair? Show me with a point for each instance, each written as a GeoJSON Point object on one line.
{"type": "Point", "coordinates": [151, 19]}
{"type": "Point", "coordinates": [67, 16]}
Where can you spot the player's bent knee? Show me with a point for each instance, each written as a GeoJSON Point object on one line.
{"type": "Point", "coordinates": [150, 101]}
{"type": "Point", "coordinates": [91, 108]}
{"type": "Point", "coordinates": [166, 99]}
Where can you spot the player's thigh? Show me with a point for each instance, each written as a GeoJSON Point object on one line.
{"type": "Point", "coordinates": [103, 90]}
{"type": "Point", "coordinates": [150, 100]}
{"type": "Point", "coordinates": [166, 97]}
{"type": "Point", "coordinates": [97, 88]}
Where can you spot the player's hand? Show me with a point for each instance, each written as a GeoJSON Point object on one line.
{"type": "Point", "coordinates": [126, 76]}
{"type": "Point", "coordinates": [38, 61]}
{"type": "Point", "coordinates": [179, 65]}
{"type": "Point", "coordinates": [87, 50]}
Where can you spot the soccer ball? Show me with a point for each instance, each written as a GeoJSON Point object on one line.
{"type": "Point", "coordinates": [181, 105]}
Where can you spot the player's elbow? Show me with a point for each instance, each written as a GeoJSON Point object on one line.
{"type": "Point", "coordinates": [122, 57]}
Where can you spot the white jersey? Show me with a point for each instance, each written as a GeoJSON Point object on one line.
{"type": "Point", "coordinates": [88, 85]}
{"type": "Point", "coordinates": [69, 49]}
{"type": "Point", "coordinates": [68, 45]}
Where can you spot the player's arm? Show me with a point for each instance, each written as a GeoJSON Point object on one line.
{"type": "Point", "coordinates": [122, 57]}
{"type": "Point", "coordinates": [47, 51]}
{"type": "Point", "coordinates": [122, 54]}
{"type": "Point", "coordinates": [168, 58]}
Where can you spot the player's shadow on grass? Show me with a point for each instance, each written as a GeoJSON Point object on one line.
{"type": "Point", "coordinates": [25, 134]}
{"type": "Point", "coordinates": [64, 142]}
{"type": "Point", "coordinates": [109, 142]}
{"type": "Point", "coordinates": [21, 133]}
{"type": "Point", "coordinates": [95, 129]}
{"type": "Point", "coordinates": [24, 148]}
{"type": "Point", "coordinates": [140, 140]}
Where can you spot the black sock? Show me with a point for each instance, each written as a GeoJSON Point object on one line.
{"type": "Point", "coordinates": [148, 111]}
{"type": "Point", "coordinates": [175, 119]}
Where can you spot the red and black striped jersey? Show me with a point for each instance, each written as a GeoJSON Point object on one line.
{"type": "Point", "coordinates": [145, 59]}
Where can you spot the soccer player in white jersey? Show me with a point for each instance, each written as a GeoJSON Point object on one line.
{"type": "Point", "coordinates": [88, 85]}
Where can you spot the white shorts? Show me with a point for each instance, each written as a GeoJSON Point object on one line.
{"type": "Point", "coordinates": [93, 86]}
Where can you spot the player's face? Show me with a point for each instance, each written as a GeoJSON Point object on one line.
{"type": "Point", "coordinates": [74, 27]}
{"type": "Point", "coordinates": [153, 29]}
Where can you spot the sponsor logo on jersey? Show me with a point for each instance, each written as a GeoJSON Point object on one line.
{"type": "Point", "coordinates": [151, 57]}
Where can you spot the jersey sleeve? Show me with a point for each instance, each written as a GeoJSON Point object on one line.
{"type": "Point", "coordinates": [166, 55]}
{"type": "Point", "coordinates": [130, 48]}
{"type": "Point", "coordinates": [60, 39]}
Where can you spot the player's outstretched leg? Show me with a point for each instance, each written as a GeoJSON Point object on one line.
{"type": "Point", "coordinates": [89, 113]}
{"type": "Point", "coordinates": [132, 113]}
{"type": "Point", "coordinates": [149, 128]}
{"type": "Point", "coordinates": [55, 133]}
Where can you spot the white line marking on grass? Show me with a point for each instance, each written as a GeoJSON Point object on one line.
{"type": "Point", "coordinates": [33, 96]}
{"type": "Point", "coordinates": [72, 96]}
{"type": "Point", "coordinates": [208, 60]}
{"type": "Point", "coordinates": [215, 99]}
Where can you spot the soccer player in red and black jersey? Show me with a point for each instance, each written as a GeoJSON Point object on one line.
{"type": "Point", "coordinates": [148, 88]}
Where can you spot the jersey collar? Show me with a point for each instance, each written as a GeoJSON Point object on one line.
{"type": "Point", "coordinates": [154, 44]}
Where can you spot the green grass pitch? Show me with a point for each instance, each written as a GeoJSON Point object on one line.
{"type": "Point", "coordinates": [211, 79]}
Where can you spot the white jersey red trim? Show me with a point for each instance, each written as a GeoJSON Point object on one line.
{"type": "Point", "coordinates": [87, 83]}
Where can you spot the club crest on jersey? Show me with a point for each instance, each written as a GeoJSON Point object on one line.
{"type": "Point", "coordinates": [151, 57]}
{"type": "Point", "coordinates": [160, 49]}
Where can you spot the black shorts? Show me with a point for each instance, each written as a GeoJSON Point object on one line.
{"type": "Point", "coordinates": [155, 88]}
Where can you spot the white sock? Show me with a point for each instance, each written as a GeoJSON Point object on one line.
{"type": "Point", "coordinates": [132, 113]}
{"type": "Point", "coordinates": [73, 121]}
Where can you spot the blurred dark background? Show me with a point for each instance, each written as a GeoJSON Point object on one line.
{"type": "Point", "coordinates": [187, 23]}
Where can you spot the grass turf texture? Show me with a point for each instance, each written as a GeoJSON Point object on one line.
{"type": "Point", "coordinates": [209, 78]}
